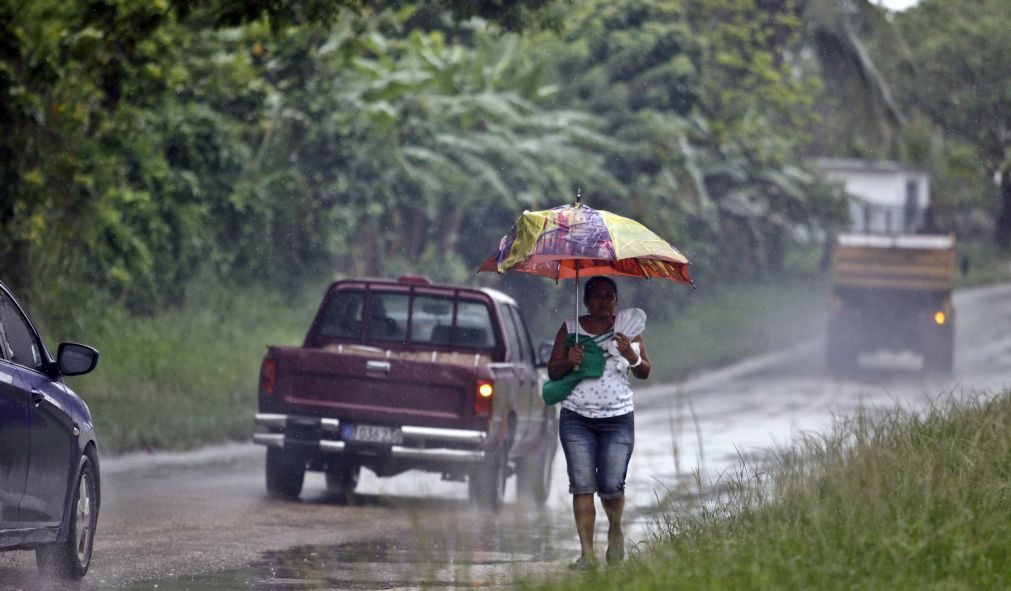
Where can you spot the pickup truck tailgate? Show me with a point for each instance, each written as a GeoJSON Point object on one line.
{"type": "Point", "coordinates": [375, 389]}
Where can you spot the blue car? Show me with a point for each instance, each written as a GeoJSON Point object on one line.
{"type": "Point", "coordinates": [49, 482]}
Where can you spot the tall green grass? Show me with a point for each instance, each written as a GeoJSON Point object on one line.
{"type": "Point", "coordinates": [186, 376]}
{"type": "Point", "coordinates": [884, 501]}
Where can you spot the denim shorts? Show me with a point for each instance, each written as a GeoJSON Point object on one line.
{"type": "Point", "coordinates": [596, 452]}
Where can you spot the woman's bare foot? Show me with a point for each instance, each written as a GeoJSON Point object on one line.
{"type": "Point", "coordinates": [583, 563]}
{"type": "Point", "coordinates": [615, 547]}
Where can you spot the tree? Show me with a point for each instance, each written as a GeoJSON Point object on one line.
{"type": "Point", "coordinates": [859, 114]}
{"type": "Point", "coordinates": [962, 51]}
{"type": "Point", "coordinates": [131, 128]}
{"type": "Point", "coordinates": [705, 95]}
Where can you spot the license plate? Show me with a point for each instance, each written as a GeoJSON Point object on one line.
{"type": "Point", "coordinates": [374, 434]}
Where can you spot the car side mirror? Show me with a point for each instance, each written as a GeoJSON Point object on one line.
{"type": "Point", "coordinates": [75, 359]}
{"type": "Point", "coordinates": [544, 353]}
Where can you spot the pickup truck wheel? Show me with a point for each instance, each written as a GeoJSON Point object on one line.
{"type": "Point", "coordinates": [285, 474]}
{"type": "Point", "coordinates": [533, 476]}
{"type": "Point", "coordinates": [486, 483]}
{"type": "Point", "coordinates": [71, 558]}
{"type": "Point", "coordinates": [342, 478]}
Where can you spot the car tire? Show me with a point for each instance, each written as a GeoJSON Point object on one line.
{"type": "Point", "coordinates": [71, 558]}
{"type": "Point", "coordinates": [342, 479]}
{"type": "Point", "coordinates": [486, 483]}
{"type": "Point", "coordinates": [533, 475]}
{"type": "Point", "coordinates": [285, 474]}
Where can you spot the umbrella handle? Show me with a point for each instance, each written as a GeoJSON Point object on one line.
{"type": "Point", "coordinates": [576, 264]}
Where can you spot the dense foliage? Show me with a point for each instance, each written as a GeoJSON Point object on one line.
{"type": "Point", "coordinates": [958, 82]}
{"type": "Point", "coordinates": [147, 141]}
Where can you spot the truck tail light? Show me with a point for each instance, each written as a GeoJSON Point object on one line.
{"type": "Point", "coordinates": [268, 376]}
{"type": "Point", "coordinates": [484, 398]}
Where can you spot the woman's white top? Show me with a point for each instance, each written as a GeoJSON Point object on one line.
{"type": "Point", "coordinates": [610, 395]}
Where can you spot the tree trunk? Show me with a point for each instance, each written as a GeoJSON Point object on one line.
{"type": "Point", "coordinates": [1002, 229]}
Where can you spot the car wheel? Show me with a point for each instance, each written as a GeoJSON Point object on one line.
{"type": "Point", "coordinates": [486, 483]}
{"type": "Point", "coordinates": [70, 559]}
{"type": "Point", "coordinates": [342, 478]}
{"type": "Point", "coordinates": [285, 474]}
{"type": "Point", "coordinates": [533, 475]}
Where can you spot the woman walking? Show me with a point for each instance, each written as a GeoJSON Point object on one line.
{"type": "Point", "coordinates": [596, 425]}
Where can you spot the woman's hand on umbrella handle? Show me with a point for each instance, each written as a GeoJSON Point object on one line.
{"type": "Point", "coordinates": [575, 356]}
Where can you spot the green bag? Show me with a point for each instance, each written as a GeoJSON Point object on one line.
{"type": "Point", "coordinates": [592, 367]}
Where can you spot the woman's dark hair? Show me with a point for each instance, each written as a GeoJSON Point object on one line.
{"type": "Point", "coordinates": [593, 282]}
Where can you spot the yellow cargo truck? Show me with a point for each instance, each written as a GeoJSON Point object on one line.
{"type": "Point", "coordinates": [892, 293]}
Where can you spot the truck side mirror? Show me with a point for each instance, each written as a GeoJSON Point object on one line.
{"type": "Point", "coordinates": [544, 353]}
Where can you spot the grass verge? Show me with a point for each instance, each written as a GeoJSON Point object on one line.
{"type": "Point", "coordinates": [887, 501]}
{"type": "Point", "coordinates": [186, 376]}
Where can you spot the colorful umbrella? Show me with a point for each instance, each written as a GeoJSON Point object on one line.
{"type": "Point", "coordinates": [570, 240]}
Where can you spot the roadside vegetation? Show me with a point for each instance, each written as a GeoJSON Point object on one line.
{"type": "Point", "coordinates": [886, 500]}
{"type": "Point", "coordinates": [186, 376]}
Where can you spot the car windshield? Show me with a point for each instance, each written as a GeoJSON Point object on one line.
{"type": "Point", "coordinates": [389, 316]}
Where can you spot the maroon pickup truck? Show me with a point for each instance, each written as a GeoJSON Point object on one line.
{"type": "Point", "coordinates": [406, 374]}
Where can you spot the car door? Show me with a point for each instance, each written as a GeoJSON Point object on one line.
{"type": "Point", "coordinates": [51, 442]}
{"type": "Point", "coordinates": [13, 441]}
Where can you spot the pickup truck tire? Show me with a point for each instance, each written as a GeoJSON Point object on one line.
{"type": "Point", "coordinates": [70, 558]}
{"type": "Point", "coordinates": [486, 483]}
{"type": "Point", "coordinates": [342, 478]}
{"type": "Point", "coordinates": [285, 474]}
{"type": "Point", "coordinates": [533, 475]}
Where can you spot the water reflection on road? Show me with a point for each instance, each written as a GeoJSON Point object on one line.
{"type": "Point", "coordinates": [449, 545]}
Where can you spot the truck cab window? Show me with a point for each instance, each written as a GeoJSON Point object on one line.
{"type": "Point", "coordinates": [342, 317]}
{"type": "Point", "coordinates": [432, 320]}
{"type": "Point", "coordinates": [386, 316]}
{"type": "Point", "coordinates": [22, 345]}
{"type": "Point", "coordinates": [473, 325]}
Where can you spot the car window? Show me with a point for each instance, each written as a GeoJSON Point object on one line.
{"type": "Point", "coordinates": [22, 344]}
{"type": "Point", "coordinates": [513, 335]}
{"type": "Point", "coordinates": [342, 316]}
{"type": "Point", "coordinates": [432, 320]}
{"type": "Point", "coordinates": [386, 316]}
{"type": "Point", "coordinates": [473, 325]}
{"type": "Point", "coordinates": [526, 351]}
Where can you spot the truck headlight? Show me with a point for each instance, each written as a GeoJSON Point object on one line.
{"type": "Point", "coordinates": [940, 318]}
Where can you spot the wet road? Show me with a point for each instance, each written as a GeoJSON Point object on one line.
{"type": "Point", "coordinates": [202, 520]}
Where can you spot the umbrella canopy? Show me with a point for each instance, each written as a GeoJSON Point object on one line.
{"type": "Point", "coordinates": [573, 240]}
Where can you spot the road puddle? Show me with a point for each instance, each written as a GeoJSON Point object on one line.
{"type": "Point", "coordinates": [465, 549]}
